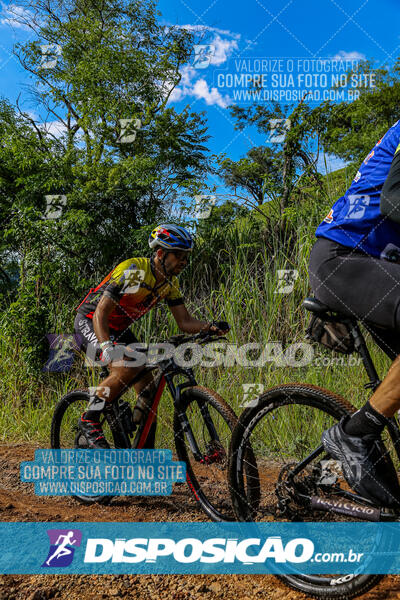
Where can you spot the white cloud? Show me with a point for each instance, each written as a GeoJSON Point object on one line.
{"type": "Point", "coordinates": [56, 128]}
{"type": "Point", "coordinates": [223, 47]}
{"type": "Point", "coordinates": [197, 88]}
{"type": "Point", "coordinates": [223, 50]}
{"type": "Point", "coordinates": [16, 16]}
{"type": "Point", "coordinates": [193, 83]}
{"type": "Point", "coordinates": [353, 55]}
{"type": "Point", "coordinates": [204, 28]}
{"type": "Point", "coordinates": [176, 95]}
{"type": "Point", "coordinates": [201, 90]}
{"type": "Point", "coordinates": [188, 73]}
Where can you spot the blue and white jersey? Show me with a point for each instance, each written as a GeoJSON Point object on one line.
{"type": "Point", "coordinates": [355, 220]}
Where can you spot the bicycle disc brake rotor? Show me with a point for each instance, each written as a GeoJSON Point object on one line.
{"type": "Point", "coordinates": [214, 453]}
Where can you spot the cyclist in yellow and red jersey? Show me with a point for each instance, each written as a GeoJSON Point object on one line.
{"type": "Point", "coordinates": [133, 288]}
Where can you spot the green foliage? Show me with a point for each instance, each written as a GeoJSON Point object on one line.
{"type": "Point", "coordinates": [116, 62]}
{"type": "Point", "coordinates": [233, 275]}
{"type": "Point", "coordinates": [258, 173]}
{"type": "Point", "coordinates": [352, 129]}
{"type": "Point", "coordinates": [27, 322]}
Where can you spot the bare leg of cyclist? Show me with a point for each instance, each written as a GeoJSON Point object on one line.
{"type": "Point", "coordinates": [372, 418]}
{"type": "Point", "coordinates": [118, 381]}
{"type": "Point", "coordinates": [356, 443]}
{"type": "Point", "coordinates": [386, 399]}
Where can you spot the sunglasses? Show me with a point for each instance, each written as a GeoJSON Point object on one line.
{"type": "Point", "coordinates": [180, 254]}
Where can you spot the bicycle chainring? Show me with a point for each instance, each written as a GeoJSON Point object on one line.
{"type": "Point", "coordinates": [294, 491]}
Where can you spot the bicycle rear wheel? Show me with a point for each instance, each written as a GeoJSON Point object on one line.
{"type": "Point", "coordinates": [283, 428]}
{"type": "Point", "coordinates": [207, 475]}
{"type": "Point", "coordinates": [65, 433]}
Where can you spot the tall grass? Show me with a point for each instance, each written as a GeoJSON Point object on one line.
{"type": "Point", "coordinates": [234, 276]}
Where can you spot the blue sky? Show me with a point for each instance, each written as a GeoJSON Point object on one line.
{"type": "Point", "coordinates": [234, 31]}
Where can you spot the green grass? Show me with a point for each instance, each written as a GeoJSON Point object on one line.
{"type": "Point", "coordinates": [238, 283]}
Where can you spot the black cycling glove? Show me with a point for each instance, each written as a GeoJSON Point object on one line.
{"type": "Point", "coordinates": [221, 325]}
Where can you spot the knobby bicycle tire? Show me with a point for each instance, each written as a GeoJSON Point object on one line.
{"type": "Point", "coordinates": [208, 482]}
{"type": "Point", "coordinates": [339, 587]}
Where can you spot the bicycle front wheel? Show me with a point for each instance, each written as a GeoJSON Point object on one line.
{"type": "Point", "coordinates": [206, 474]}
{"type": "Point", "coordinates": [283, 428]}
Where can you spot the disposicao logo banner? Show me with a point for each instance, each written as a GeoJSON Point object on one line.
{"type": "Point", "coordinates": [62, 547]}
{"type": "Point", "coordinates": [342, 548]}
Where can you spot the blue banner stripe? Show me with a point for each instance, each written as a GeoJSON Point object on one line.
{"type": "Point", "coordinates": [340, 548]}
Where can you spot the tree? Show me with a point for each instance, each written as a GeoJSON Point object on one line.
{"type": "Point", "coordinates": [352, 129]}
{"type": "Point", "coordinates": [297, 153]}
{"type": "Point", "coordinates": [257, 173]}
{"type": "Point", "coordinates": [115, 68]}
{"type": "Point", "coordinates": [122, 157]}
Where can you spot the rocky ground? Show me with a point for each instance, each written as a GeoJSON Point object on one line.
{"type": "Point", "coordinates": [19, 503]}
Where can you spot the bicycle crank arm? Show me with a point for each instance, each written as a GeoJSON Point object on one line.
{"type": "Point", "coordinates": [301, 465]}
{"type": "Point", "coordinates": [352, 497]}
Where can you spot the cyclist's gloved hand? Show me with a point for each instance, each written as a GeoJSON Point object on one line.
{"type": "Point", "coordinates": [111, 353]}
{"type": "Point", "coordinates": [219, 327]}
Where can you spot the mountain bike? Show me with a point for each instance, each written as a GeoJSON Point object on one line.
{"type": "Point", "coordinates": [202, 425]}
{"type": "Point", "coordinates": [298, 481]}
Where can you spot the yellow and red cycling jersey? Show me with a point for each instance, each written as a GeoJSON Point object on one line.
{"type": "Point", "coordinates": [132, 285]}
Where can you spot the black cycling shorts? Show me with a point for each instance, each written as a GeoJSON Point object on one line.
{"type": "Point", "coordinates": [360, 286]}
{"type": "Point", "coordinates": [84, 332]}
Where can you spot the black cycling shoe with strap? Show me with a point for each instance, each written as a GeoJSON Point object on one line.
{"type": "Point", "coordinates": [89, 424]}
{"type": "Point", "coordinates": [366, 465]}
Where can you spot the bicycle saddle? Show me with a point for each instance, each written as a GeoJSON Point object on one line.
{"type": "Point", "coordinates": [315, 306]}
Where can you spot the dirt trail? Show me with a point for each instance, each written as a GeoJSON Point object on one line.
{"type": "Point", "coordinates": [19, 503]}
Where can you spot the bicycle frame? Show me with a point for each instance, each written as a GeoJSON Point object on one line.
{"type": "Point", "coordinates": [169, 369]}
{"type": "Point", "coordinates": [373, 383]}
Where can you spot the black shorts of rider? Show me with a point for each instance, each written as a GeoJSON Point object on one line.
{"type": "Point", "coordinates": [361, 286]}
{"type": "Point", "coordinates": [84, 333]}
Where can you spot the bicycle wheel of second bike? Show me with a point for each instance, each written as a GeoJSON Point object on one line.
{"type": "Point", "coordinates": [284, 427]}
{"type": "Point", "coordinates": [207, 476]}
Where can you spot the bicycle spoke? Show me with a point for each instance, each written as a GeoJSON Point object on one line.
{"type": "Point", "coordinates": [284, 428]}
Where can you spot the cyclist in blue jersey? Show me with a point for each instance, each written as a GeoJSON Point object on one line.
{"type": "Point", "coordinates": [355, 269]}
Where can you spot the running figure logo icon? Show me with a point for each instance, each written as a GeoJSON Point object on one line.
{"type": "Point", "coordinates": [62, 547]}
